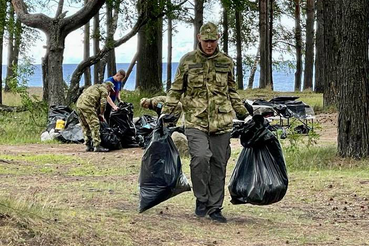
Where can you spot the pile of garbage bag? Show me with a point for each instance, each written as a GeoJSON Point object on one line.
{"type": "Point", "coordinates": [63, 125]}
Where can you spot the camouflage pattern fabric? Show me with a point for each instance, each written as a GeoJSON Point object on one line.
{"type": "Point", "coordinates": [90, 125]}
{"type": "Point", "coordinates": [94, 98]}
{"type": "Point", "coordinates": [155, 101]}
{"type": "Point", "coordinates": [206, 87]}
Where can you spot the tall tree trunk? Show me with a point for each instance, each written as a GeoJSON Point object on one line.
{"type": "Point", "coordinates": [14, 42]}
{"type": "Point", "coordinates": [225, 29]}
{"type": "Point", "coordinates": [270, 46]}
{"type": "Point", "coordinates": [2, 29]}
{"type": "Point", "coordinates": [331, 53]}
{"type": "Point", "coordinates": [319, 58]}
{"type": "Point", "coordinates": [239, 49]}
{"type": "Point", "coordinates": [149, 60]}
{"type": "Point", "coordinates": [353, 82]}
{"type": "Point", "coordinates": [56, 30]}
{"type": "Point", "coordinates": [253, 69]}
{"type": "Point", "coordinates": [309, 52]}
{"type": "Point", "coordinates": [86, 52]}
{"type": "Point", "coordinates": [199, 20]}
{"type": "Point", "coordinates": [264, 48]}
{"type": "Point", "coordinates": [169, 58]}
{"type": "Point", "coordinates": [111, 64]}
{"type": "Point", "coordinates": [11, 33]}
{"type": "Point", "coordinates": [96, 46]}
{"type": "Point", "coordinates": [298, 40]}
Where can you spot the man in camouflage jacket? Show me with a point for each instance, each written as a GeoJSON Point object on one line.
{"type": "Point", "coordinates": [205, 85]}
{"type": "Point", "coordinates": [91, 103]}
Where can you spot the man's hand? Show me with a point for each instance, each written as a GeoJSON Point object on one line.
{"type": "Point", "coordinates": [115, 108]}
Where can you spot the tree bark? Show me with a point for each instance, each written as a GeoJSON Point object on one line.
{"type": "Point", "coordinates": [111, 28]}
{"type": "Point", "coordinates": [169, 58]}
{"type": "Point", "coordinates": [56, 30]}
{"type": "Point", "coordinates": [298, 40]}
{"type": "Point", "coordinates": [309, 51]}
{"type": "Point", "coordinates": [11, 32]}
{"type": "Point", "coordinates": [2, 28]}
{"type": "Point", "coordinates": [331, 53]}
{"type": "Point", "coordinates": [353, 82]}
{"type": "Point", "coordinates": [149, 60]}
{"type": "Point", "coordinates": [319, 57]}
{"type": "Point", "coordinates": [239, 49]}
{"type": "Point", "coordinates": [264, 48]}
{"type": "Point", "coordinates": [225, 29]}
{"type": "Point", "coordinates": [96, 46]}
{"type": "Point", "coordinates": [270, 46]}
{"type": "Point", "coordinates": [198, 21]}
{"type": "Point", "coordinates": [86, 52]}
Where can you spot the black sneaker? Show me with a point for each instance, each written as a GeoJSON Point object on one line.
{"type": "Point", "coordinates": [100, 149]}
{"type": "Point", "coordinates": [201, 209]}
{"type": "Point", "coordinates": [217, 216]}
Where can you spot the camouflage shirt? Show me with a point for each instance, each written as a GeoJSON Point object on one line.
{"type": "Point", "coordinates": [94, 96]}
{"type": "Point", "coordinates": [206, 87]}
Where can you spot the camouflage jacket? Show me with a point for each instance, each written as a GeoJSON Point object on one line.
{"type": "Point", "coordinates": [95, 97]}
{"type": "Point", "coordinates": [206, 87]}
{"type": "Point", "coordinates": [157, 104]}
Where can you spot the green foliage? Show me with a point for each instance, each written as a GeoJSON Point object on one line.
{"type": "Point", "coordinates": [18, 85]}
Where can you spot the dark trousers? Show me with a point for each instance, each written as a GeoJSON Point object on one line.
{"type": "Point", "coordinates": [209, 157]}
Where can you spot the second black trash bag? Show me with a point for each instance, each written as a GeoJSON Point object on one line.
{"type": "Point", "coordinates": [260, 175]}
{"type": "Point", "coordinates": [161, 175]}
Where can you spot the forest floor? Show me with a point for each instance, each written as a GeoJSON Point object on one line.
{"type": "Point", "coordinates": [57, 194]}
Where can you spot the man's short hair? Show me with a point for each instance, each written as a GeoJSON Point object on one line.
{"type": "Point", "coordinates": [122, 72]}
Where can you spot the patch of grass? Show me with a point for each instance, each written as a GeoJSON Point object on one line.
{"type": "Point", "coordinates": [34, 164]}
{"type": "Point", "coordinates": [321, 158]}
{"type": "Point", "coordinates": [14, 99]}
{"type": "Point", "coordinates": [21, 127]}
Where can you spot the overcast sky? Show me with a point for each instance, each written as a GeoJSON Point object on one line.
{"type": "Point", "coordinates": [73, 53]}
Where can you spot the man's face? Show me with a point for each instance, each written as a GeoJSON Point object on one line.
{"type": "Point", "coordinates": [208, 46]}
{"type": "Point", "coordinates": [120, 77]}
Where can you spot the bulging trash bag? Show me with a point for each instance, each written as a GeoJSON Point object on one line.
{"type": "Point", "coordinates": [260, 175]}
{"type": "Point", "coordinates": [121, 121]}
{"type": "Point", "coordinates": [145, 125]}
{"type": "Point", "coordinates": [161, 174]}
{"type": "Point", "coordinates": [108, 138]}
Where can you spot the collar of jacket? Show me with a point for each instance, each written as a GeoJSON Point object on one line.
{"type": "Point", "coordinates": [202, 53]}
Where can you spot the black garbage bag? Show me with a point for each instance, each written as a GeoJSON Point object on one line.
{"type": "Point", "coordinates": [144, 128]}
{"type": "Point", "coordinates": [260, 175]}
{"type": "Point", "coordinates": [161, 174]}
{"type": "Point", "coordinates": [57, 112]}
{"type": "Point", "coordinates": [71, 134]}
{"type": "Point", "coordinates": [108, 138]}
{"type": "Point", "coordinates": [121, 121]}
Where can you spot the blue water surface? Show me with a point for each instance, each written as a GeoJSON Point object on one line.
{"type": "Point", "coordinates": [283, 79]}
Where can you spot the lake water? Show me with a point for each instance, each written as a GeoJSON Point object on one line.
{"type": "Point", "coordinates": [283, 80]}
